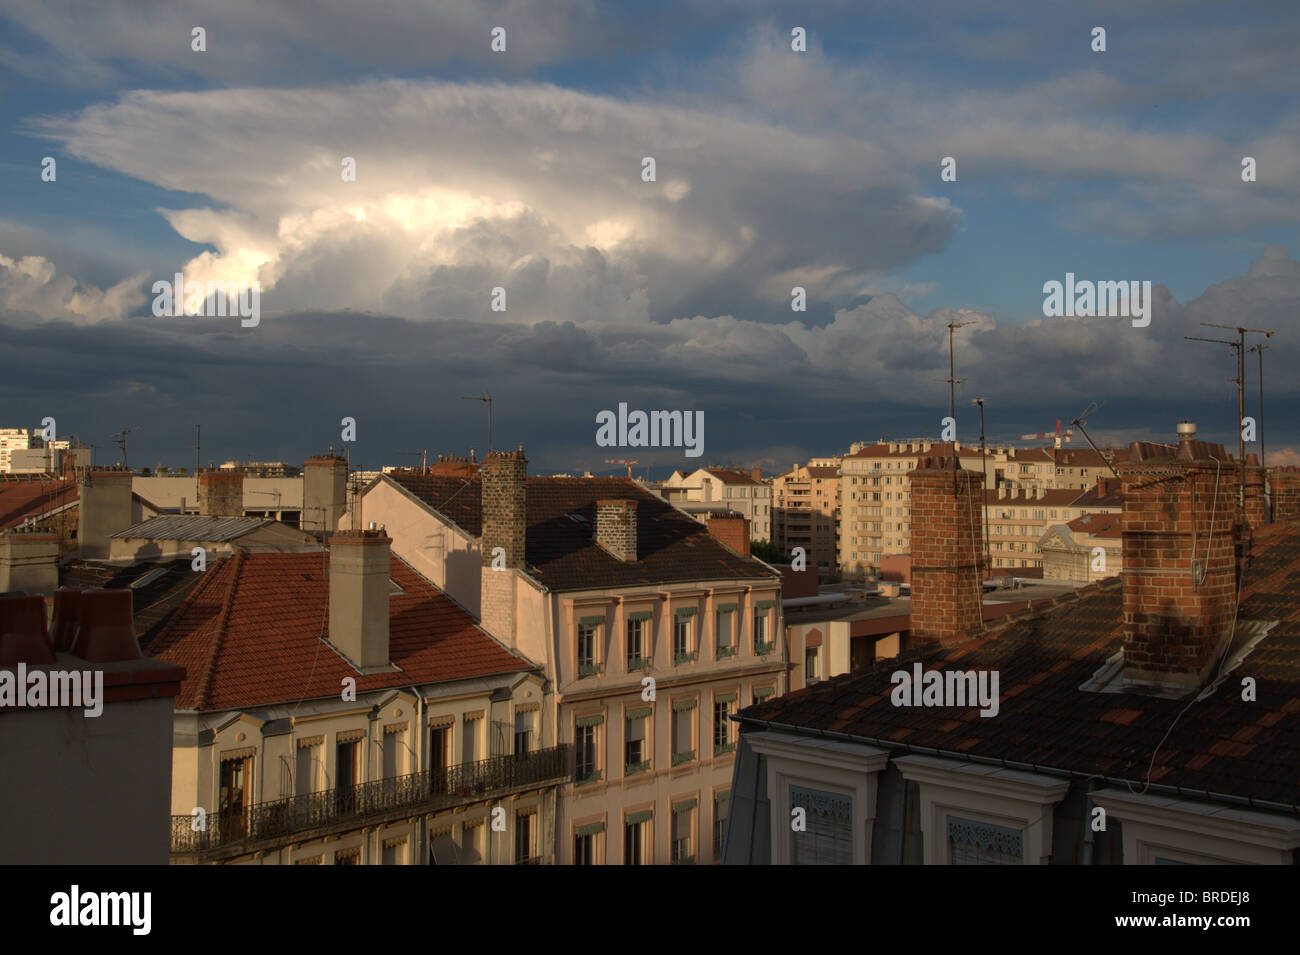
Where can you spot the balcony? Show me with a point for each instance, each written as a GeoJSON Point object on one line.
{"type": "Point", "coordinates": [680, 658]}
{"type": "Point", "coordinates": [590, 669]}
{"type": "Point", "coordinates": [637, 663]}
{"type": "Point", "coordinates": [763, 647]}
{"type": "Point", "coordinates": [270, 825]}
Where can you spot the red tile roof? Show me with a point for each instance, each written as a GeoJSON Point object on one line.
{"type": "Point", "coordinates": [20, 500]}
{"type": "Point", "coordinates": [731, 476]}
{"type": "Point", "coordinates": [560, 548]}
{"type": "Point", "coordinates": [1219, 744]}
{"type": "Point", "coordinates": [1098, 525]}
{"type": "Point", "coordinates": [249, 635]}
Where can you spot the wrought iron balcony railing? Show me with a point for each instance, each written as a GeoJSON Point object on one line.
{"type": "Point", "coordinates": [282, 819]}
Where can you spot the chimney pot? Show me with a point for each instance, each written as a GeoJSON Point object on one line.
{"type": "Point", "coordinates": [23, 638]}
{"type": "Point", "coordinates": [105, 628]}
{"type": "Point", "coordinates": [67, 617]}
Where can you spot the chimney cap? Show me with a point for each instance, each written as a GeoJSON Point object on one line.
{"type": "Point", "coordinates": [1186, 429]}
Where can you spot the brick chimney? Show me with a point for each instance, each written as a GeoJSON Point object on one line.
{"type": "Point", "coordinates": [947, 552]}
{"type": "Point", "coordinates": [756, 474]}
{"type": "Point", "coordinates": [359, 587]}
{"type": "Point", "coordinates": [616, 528]}
{"type": "Point", "coordinates": [732, 530]}
{"type": "Point", "coordinates": [1179, 563]}
{"type": "Point", "coordinates": [29, 562]}
{"type": "Point", "coordinates": [1285, 484]}
{"type": "Point", "coordinates": [505, 523]}
{"type": "Point", "coordinates": [221, 494]}
{"type": "Point", "coordinates": [104, 509]}
{"type": "Point", "coordinates": [324, 492]}
{"type": "Point", "coordinates": [1256, 503]}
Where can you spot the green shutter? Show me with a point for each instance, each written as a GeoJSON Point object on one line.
{"type": "Point", "coordinates": [679, 705]}
{"type": "Point", "coordinates": [686, 806]}
{"type": "Point", "coordinates": [592, 621]}
{"type": "Point", "coordinates": [639, 714]}
{"type": "Point", "coordinates": [726, 608]}
{"type": "Point", "coordinates": [727, 697]}
{"type": "Point", "coordinates": [591, 829]}
{"type": "Point", "coordinates": [765, 604]}
{"type": "Point", "coordinates": [639, 817]}
{"type": "Point", "coordinates": [590, 720]}
{"type": "Point", "coordinates": [722, 797]}
{"type": "Point", "coordinates": [684, 612]}
{"type": "Point", "coordinates": [641, 615]}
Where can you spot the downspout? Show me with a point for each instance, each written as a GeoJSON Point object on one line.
{"type": "Point", "coordinates": [1089, 789]}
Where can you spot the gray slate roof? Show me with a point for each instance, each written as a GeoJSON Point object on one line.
{"type": "Point", "coordinates": [176, 528]}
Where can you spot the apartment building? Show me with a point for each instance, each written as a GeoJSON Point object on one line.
{"type": "Point", "coordinates": [1126, 697]}
{"type": "Point", "coordinates": [744, 492]}
{"type": "Point", "coordinates": [12, 439]}
{"type": "Point", "coordinates": [1018, 518]}
{"type": "Point", "coordinates": [340, 710]}
{"type": "Point", "coordinates": [651, 631]}
{"type": "Point", "coordinates": [1084, 549]}
{"type": "Point", "coordinates": [806, 513]}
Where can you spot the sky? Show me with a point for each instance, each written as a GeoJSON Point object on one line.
{"type": "Point", "coordinates": [523, 170]}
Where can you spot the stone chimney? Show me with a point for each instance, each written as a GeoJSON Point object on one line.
{"type": "Point", "coordinates": [732, 530]}
{"type": "Point", "coordinates": [1180, 566]}
{"type": "Point", "coordinates": [947, 552]}
{"type": "Point", "coordinates": [29, 562]}
{"type": "Point", "coordinates": [505, 523]}
{"type": "Point", "coordinates": [616, 528]}
{"type": "Point", "coordinates": [324, 492]}
{"type": "Point", "coordinates": [221, 494]}
{"type": "Point", "coordinates": [359, 574]}
{"type": "Point", "coordinates": [104, 509]}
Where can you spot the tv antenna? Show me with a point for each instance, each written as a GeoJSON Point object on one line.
{"type": "Point", "coordinates": [487, 400]}
{"type": "Point", "coordinates": [1078, 422]}
{"type": "Point", "coordinates": [119, 438]}
{"type": "Point", "coordinates": [423, 455]}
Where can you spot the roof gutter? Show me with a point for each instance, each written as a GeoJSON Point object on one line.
{"type": "Point", "coordinates": [1024, 767]}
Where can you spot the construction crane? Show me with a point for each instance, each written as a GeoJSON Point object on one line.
{"type": "Point", "coordinates": [422, 455]}
{"type": "Point", "coordinates": [625, 461]}
{"type": "Point", "coordinates": [1058, 435]}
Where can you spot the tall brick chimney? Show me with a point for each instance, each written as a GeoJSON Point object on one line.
{"type": "Point", "coordinates": [104, 508]}
{"type": "Point", "coordinates": [1285, 485]}
{"type": "Point", "coordinates": [616, 528]}
{"type": "Point", "coordinates": [732, 529]}
{"type": "Point", "coordinates": [505, 523]}
{"type": "Point", "coordinates": [1256, 503]}
{"type": "Point", "coordinates": [221, 494]}
{"type": "Point", "coordinates": [359, 589]}
{"type": "Point", "coordinates": [947, 551]}
{"type": "Point", "coordinates": [324, 492]}
{"type": "Point", "coordinates": [1179, 562]}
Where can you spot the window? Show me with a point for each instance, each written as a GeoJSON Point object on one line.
{"type": "Point", "coordinates": [683, 732]}
{"type": "Point", "coordinates": [683, 652]}
{"type": "Point", "coordinates": [394, 751]}
{"type": "Point", "coordinates": [636, 754]}
{"type": "Point", "coordinates": [234, 794]}
{"type": "Point", "coordinates": [523, 733]}
{"type": "Point", "coordinates": [587, 665]}
{"type": "Point", "coordinates": [394, 851]}
{"type": "Point", "coordinates": [636, 658]}
{"type": "Point", "coordinates": [762, 693]}
{"type": "Point", "coordinates": [524, 854]}
{"type": "Point", "coordinates": [347, 773]}
{"type": "Point", "coordinates": [348, 856]}
{"type": "Point", "coordinates": [472, 843]}
{"type": "Point", "coordinates": [721, 802]}
{"type": "Point", "coordinates": [683, 826]}
{"type": "Point", "coordinates": [439, 747]}
{"type": "Point", "coordinates": [723, 728]}
{"type": "Point", "coordinates": [307, 767]}
{"type": "Point", "coordinates": [828, 838]}
{"type": "Point", "coordinates": [586, 750]}
{"type": "Point", "coordinates": [723, 628]}
{"type": "Point", "coordinates": [469, 739]}
{"type": "Point", "coordinates": [810, 664]}
{"type": "Point", "coordinates": [982, 843]}
{"type": "Point", "coordinates": [761, 644]}
{"type": "Point", "coordinates": [585, 844]}
{"type": "Point", "coordinates": [634, 839]}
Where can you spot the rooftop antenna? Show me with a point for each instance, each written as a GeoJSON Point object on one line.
{"type": "Point", "coordinates": [119, 438]}
{"type": "Point", "coordinates": [1078, 422]}
{"type": "Point", "coordinates": [1239, 346]}
{"type": "Point", "coordinates": [1262, 462]}
{"type": "Point", "coordinates": [984, 467]}
{"type": "Point", "coordinates": [953, 381]}
{"type": "Point", "coordinates": [487, 400]}
{"type": "Point", "coordinates": [625, 461]}
{"type": "Point", "coordinates": [423, 455]}
{"type": "Point", "coordinates": [197, 445]}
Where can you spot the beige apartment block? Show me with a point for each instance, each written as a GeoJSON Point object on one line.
{"type": "Point", "coordinates": [742, 491]}
{"type": "Point", "coordinates": [1086, 549]}
{"type": "Point", "coordinates": [806, 513]}
{"type": "Point", "coordinates": [1017, 521]}
{"type": "Point", "coordinates": [650, 630]}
